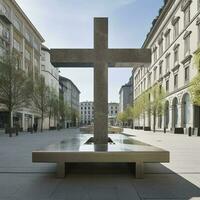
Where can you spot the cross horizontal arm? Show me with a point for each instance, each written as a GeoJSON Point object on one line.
{"type": "Point", "coordinates": [72, 57]}
{"type": "Point", "coordinates": [128, 57]}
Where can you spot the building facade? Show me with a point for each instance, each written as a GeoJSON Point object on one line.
{"type": "Point", "coordinates": [173, 39]}
{"type": "Point", "coordinates": [19, 36]}
{"type": "Point", "coordinates": [51, 77]}
{"type": "Point", "coordinates": [126, 95]}
{"type": "Point", "coordinates": [69, 94]}
{"type": "Point", "coordinates": [86, 112]}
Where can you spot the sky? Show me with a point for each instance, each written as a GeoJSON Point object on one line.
{"type": "Point", "coordinates": [69, 24]}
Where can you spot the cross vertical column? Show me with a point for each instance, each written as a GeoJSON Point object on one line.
{"type": "Point", "coordinates": [100, 81]}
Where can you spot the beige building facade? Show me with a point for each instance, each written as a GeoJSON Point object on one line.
{"type": "Point", "coordinates": [173, 39]}
{"type": "Point", "coordinates": [18, 35]}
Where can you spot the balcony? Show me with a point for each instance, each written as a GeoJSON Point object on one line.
{"type": "Point", "coordinates": [5, 16]}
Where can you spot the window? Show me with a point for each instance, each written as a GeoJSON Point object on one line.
{"type": "Point", "coordinates": [161, 48]}
{"type": "Point", "coordinates": [27, 55]}
{"type": "Point", "coordinates": [43, 67]}
{"type": "Point", "coordinates": [168, 63]}
{"type": "Point", "coordinates": [176, 56]}
{"type": "Point", "coordinates": [175, 81]}
{"type": "Point", "coordinates": [155, 73]}
{"type": "Point", "coordinates": [187, 45]}
{"type": "Point", "coordinates": [155, 54]}
{"type": "Point", "coordinates": [16, 45]}
{"type": "Point", "coordinates": [28, 36]}
{"type": "Point", "coordinates": [176, 29]}
{"type": "Point", "coordinates": [17, 23]}
{"type": "Point", "coordinates": [187, 16]}
{"type": "Point", "coordinates": [149, 80]}
{"type": "Point", "coordinates": [5, 9]}
{"type": "Point", "coordinates": [198, 5]}
{"type": "Point", "coordinates": [187, 74]}
{"type": "Point", "coordinates": [198, 39]}
{"type": "Point", "coordinates": [167, 39]}
{"type": "Point", "coordinates": [160, 70]}
{"type": "Point", "coordinates": [167, 86]}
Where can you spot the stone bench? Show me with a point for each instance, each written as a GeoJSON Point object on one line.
{"type": "Point", "coordinates": [65, 152]}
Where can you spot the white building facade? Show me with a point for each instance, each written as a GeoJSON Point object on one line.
{"type": "Point", "coordinates": [173, 39]}
{"type": "Point", "coordinates": [86, 110]}
{"type": "Point", "coordinates": [51, 77]}
{"type": "Point", "coordinates": [19, 36]}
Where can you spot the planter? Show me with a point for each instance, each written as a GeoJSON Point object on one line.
{"type": "Point", "coordinates": [179, 130]}
{"type": "Point", "coordinates": [147, 128]}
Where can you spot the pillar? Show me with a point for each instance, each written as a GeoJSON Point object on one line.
{"type": "Point", "coordinates": [100, 81]}
{"type": "Point", "coordinates": [179, 123]}
{"type": "Point", "coordinates": [23, 121]}
{"type": "Point", "coordinates": [170, 126]}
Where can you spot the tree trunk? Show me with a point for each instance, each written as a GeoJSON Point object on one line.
{"type": "Point", "coordinates": [42, 118]}
{"type": "Point", "coordinates": [10, 122]}
{"type": "Point", "coordinates": [154, 121]}
{"type": "Point", "coordinates": [50, 119]}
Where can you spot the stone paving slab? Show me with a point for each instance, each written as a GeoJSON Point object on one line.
{"type": "Point", "coordinates": [20, 179]}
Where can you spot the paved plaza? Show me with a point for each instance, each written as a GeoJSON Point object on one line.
{"type": "Point", "coordinates": [20, 179]}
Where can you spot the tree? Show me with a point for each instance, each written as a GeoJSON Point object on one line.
{"type": "Point", "coordinates": [157, 102]}
{"type": "Point", "coordinates": [64, 110]}
{"type": "Point", "coordinates": [40, 97]}
{"type": "Point", "coordinates": [122, 117]}
{"type": "Point", "coordinates": [53, 107]}
{"type": "Point", "coordinates": [15, 87]}
{"type": "Point", "coordinates": [195, 83]}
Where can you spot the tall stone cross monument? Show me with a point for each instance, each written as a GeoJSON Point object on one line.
{"type": "Point", "coordinates": [100, 58]}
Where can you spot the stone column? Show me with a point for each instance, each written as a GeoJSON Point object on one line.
{"type": "Point", "coordinates": [179, 123]}
{"type": "Point", "coordinates": [100, 82]}
{"type": "Point", "coordinates": [11, 120]}
{"type": "Point", "coordinates": [23, 121]}
{"type": "Point", "coordinates": [170, 125]}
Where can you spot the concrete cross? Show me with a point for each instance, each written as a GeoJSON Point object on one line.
{"type": "Point", "coordinates": [100, 58]}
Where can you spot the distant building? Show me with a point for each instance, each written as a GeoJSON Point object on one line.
{"type": "Point", "coordinates": [19, 36]}
{"type": "Point", "coordinates": [69, 93]}
{"type": "Point", "coordinates": [50, 73]}
{"type": "Point", "coordinates": [51, 76]}
{"type": "Point", "coordinates": [113, 109]}
{"type": "Point", "coordinates": [86, 111]}
{"type": "Point", "coordinates": [126, 95]}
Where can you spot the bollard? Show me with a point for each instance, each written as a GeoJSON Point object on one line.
{"type": "Point", "coordinates": [164, 129]}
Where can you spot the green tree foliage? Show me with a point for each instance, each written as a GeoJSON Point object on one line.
{"type": "Point", "coordinates": [40, 97]}
{"type": "Point", "coordinates": [15, 86]}
{"type": "Point", "coordinates": [157, 102]}
{"type": "Point", "coordinates": [195, 83]}
{"type": "Point", "coordinates": [53, 106]}
{"type": "Point", "coordinates": [149, 101]}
